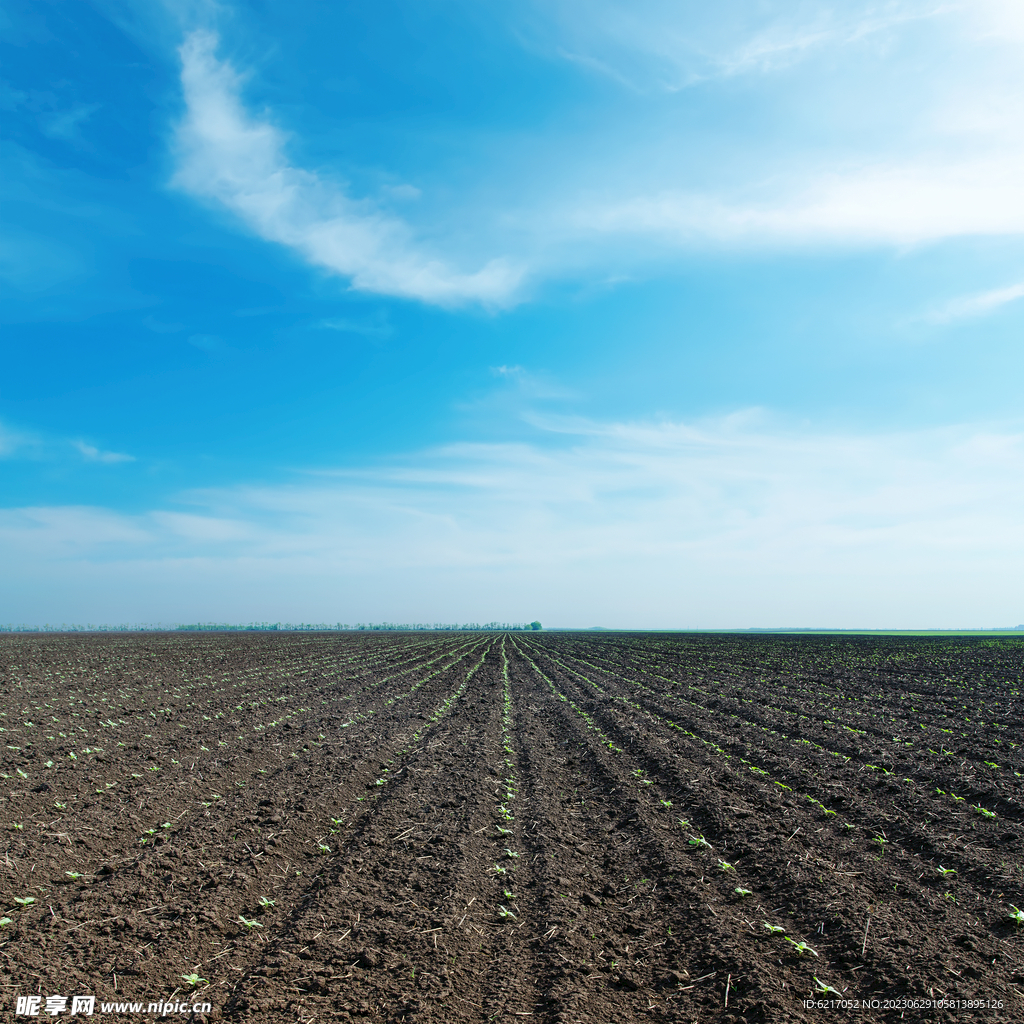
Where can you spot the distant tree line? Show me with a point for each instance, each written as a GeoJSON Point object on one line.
{"type": "Point", "coordinates": [466, 627]}
{"type": "Point", "coordinates": [263, 627]}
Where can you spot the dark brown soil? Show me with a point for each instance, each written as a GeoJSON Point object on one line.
{"type": "Point", "coordinates": [471, 827]}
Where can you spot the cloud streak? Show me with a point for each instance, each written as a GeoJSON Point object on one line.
{"type": "Point", "coordinates": [969, 306]}
{"type": "Point", "coordinates": [239, 162]}
{"type": "Point", "coordinates": [721, 523]}
{"type": "Point", "coordinates": [93, 454]}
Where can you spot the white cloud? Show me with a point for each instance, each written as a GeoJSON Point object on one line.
{"type": "Point", "coordinates": [856, 149]}
{"type": "Point", "coordinates": [11, 441]}
{"type": "Point", "coordinates": [665, 45]}
{"type": "Point", "coordinates": [238, 161]}
{"type": "Point", "coordinates": [902, 205]}
{"type": "Point", "coordinates": [968, 306]}
{"type": "Point", "coordinates": [93, 454]}
{"type": "Point", "coordinates": [721, 523]}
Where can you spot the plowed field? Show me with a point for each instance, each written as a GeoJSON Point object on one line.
{"type": "Point", "coordinates": [469, 827]}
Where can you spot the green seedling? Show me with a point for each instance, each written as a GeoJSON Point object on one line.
{"type": "Point", "coordinates": [510, 853]}
{"type": "Point", "coordinates": [1016, 916]}
{"type": "Point", "coordinates": [18, 826]}
{"type": "Point", "coordinates": [503, 831]}
{"type": "Point", "coordinates": [323, 848]}
{"type": "Point", "coordinates": [24, 901]}
{"type": "Point", "coordinates": [508, 895]}
{"type": "Point", "coordinates": [193, 979]}
{"type": "Point", "coordinates": [73, 874]}
{"type": "Point", "coordinates": [666, 803]}
{"type": "Point", "coordinates": [823, 989]}
{"type": "Point", "coordinates": [683, 823]}
{"type": "Point", "coordinates": [502, 912]}
{"type": "Point", "coordinates": [698, 842]}
{"type": "Point", "coordinates": [248, 923]}
{"type": "Point", "coordinates": [499, 870]}
{"type": "Point", "coordinates": [984, 812]}
{"type": "Point", "coordinates": [800, 947]}
{"type": "Point", "coordinates": [60, 806]}
{"type": "Point", "coordinates": [774, 929]}
{"type": "Point", "coordinates": [264, 902]}
{"type": "Point", "coordinates": [743, 892]}
{"type": "Point", "coordinates": [724, 865]}
{"type": "Point", "coordinates": [945, 871]}
{"type": "Point", "coordinates": [5, 921]}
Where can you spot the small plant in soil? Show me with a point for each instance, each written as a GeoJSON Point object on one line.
{"type": "Point", "coordinates": [248, 924]}
{"type": "Point", "coordinates": [984, 812]}
{"type": "Point", "coordinates": [73, 874]}
{"type": "Point", "coordinates": [800, 947]}
{"type": "Point", "coordinates": [194, 979]}
{"type": "Point", "coordinates": [1016, 916]}
{"type": "Point", "coordinates": [724, 865]}
{"type": "Point", "coordinates": [24, 901]}
{"type": "Point", "coordinates": [264, 902]}
{"type": "Point", "coordinates": [740, 891]}
{"type": "Point", "coordinates": [822, 989]}
{"type": "Point", "coordinates": [698, 842]}
{"type": "Point", "coordinates": [503, 912]}
{"type": "Point", "coordinates": [774, 929]}
{"type": "Point", "coordinates": [5, 921]}
{"type": "Point", "coordinates": [945, 872]}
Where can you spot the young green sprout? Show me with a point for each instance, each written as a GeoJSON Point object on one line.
{"type": "Point", "coordinates": [800, 947]}
{"type": "Point", "coordinates": [774, 929]}
{"type": "Point", "coordinates": [983, 812]}
{"type": "Point", "coordinates": [743, 892]}
{"type": "Point", "coordinates": [323, 848]}
{"type": "Point", "coordinates": [821, 987]}
{"type": "Point", "coordinates": [698, 842]}
{"type": "Point", "coordinates": [945, 871]}
{"type": "Point", "coordinates": [508, 895]}
{"type": "Point", "coordinates": [666, 803]}
{"type": "Point", "coordinates": [724, 865]}
{"type": "Point", "coordinates": [264, 902]}
{"type": "Point", "coordinates": [193, 979]}
{"type": "Point", "coordinates": [248, 923]}
{"type": "Point", "coordinates": [502, 912]}
{"type": "Point", "coordinates": [1016, 916]}
{"type": "Point", "coordinates": [73, 874]}
{"type": "Point", "coordinates": [5, 921]}
{"type": "Point", "coordinates": [24, 901]}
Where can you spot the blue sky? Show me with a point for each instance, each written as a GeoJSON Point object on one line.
{"type": "Point", "coordinates": [641, 314]}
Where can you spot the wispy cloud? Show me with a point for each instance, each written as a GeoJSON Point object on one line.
{"type": "Point", "coordinates": [12, 441]}
{"type": "Point", "coordinates": [969, 306]}
{"type": "Point", "coordinates": [376, 326]}
{"type": "Point", "coordinates": [664, 45]}
{"type": "Point", "coordinates": [239, 161]}
{"type": "Point", "coordinates": [93, 454]}
{"type": "Point", "coordinates": [902, 204]}
{"type": "Point", "coordinates": [736, 521]}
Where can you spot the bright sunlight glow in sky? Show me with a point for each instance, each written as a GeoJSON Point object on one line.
{"type": "Point", "coordinates": [632, 313]}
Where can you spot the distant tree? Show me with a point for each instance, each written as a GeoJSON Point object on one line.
{"type": "Point", "coordinates": [534, 625]}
